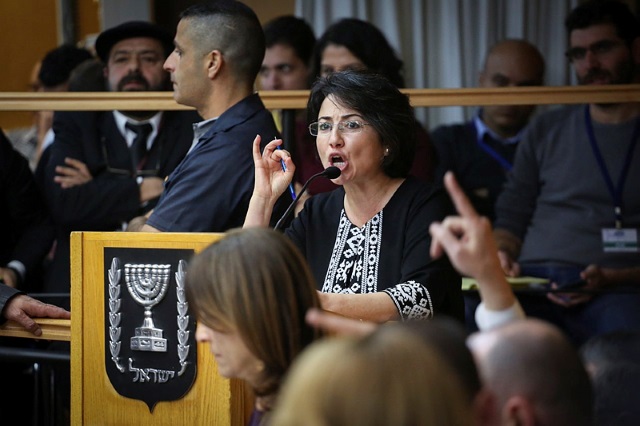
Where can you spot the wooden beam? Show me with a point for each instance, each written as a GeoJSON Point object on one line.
{"type": "Point", "coordinates": [542, 95]}
{"type": "Point", "coordinates": [52, 329]}
{"type": "Point", "coordinates": [297, 99]}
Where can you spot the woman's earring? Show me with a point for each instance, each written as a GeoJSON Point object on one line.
{"type": "Point", "coordinates": [386, 152]}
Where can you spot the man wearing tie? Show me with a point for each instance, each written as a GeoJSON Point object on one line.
{"type": "Point", "coordinates": [107, 167]}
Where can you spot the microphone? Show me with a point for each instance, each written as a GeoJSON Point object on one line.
{"type": "Point", "coordinates": [330, 172]}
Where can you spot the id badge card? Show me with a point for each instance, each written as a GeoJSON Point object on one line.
{"type": "Point", "coordinates": [620, 240]}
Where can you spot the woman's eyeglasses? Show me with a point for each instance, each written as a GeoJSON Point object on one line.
{"type": "Point", "coordinates": [322, 128]}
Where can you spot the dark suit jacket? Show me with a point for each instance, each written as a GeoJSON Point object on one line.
{"type": "Point", "coordinates": [479, 174]}
{"type": "Point", "coordinates": [112, 196]}
{"type": "Point", "coordinates": [25, 228]}
{"type": "Point", "coordinates": [6, 293]}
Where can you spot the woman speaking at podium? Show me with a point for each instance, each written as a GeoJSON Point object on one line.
{"type": "Point", "coordinates": [367, 242]}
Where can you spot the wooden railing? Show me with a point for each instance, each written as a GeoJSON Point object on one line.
{"type": "Point", "coordinates": [52, 329]}
{"type": "Point", "coordinates": [297, 99]}
{"type": "Point", "coordinates": [546, 95]}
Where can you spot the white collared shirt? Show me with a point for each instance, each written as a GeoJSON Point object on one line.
{"type": "Point", "coordinates": [482, 129]}
{"type": "Point", "coordinates": [129, 135]}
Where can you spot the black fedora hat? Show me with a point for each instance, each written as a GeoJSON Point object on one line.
{"type": "Point", "coordinates": [131, 29]}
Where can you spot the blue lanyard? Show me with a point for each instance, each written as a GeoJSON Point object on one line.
{"type": "Point", "coordinates": [492, 152]}
{"type": "Point", "coordinates": [616, 192]}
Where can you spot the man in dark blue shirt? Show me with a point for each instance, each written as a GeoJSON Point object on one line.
{"type": "Point", "coordinates": [218, 52]}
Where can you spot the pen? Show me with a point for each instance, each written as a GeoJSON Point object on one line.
{"type": "Point", "coordinates": [284, 169]}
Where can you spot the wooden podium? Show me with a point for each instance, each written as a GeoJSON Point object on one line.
{"type": "Point", "coordinates": [211, 400]}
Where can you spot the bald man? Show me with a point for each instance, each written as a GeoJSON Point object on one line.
{"type": "Point", "coordinates": [534, 373]}
{"type": "Point", "coordinates": [481, 151]}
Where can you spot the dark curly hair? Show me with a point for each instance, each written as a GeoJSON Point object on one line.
{"type": "Point", "coordinates": [291, 31]}
{"type": "Point", "coordinates": [596, 12]}
{"type": "Point", "coordinates": [367, 43]}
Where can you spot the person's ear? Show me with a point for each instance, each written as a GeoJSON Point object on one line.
{"type": "Point", "coordinates": [215, 61]}
{"type": "Point", "coordinates": [518, 411]}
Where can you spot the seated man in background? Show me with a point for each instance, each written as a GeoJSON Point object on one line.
{"type": "Point", "coordinates": [87, 76]}
{"type": "Point", "coordinates": [25, 226]}
{"type": "Point", "coordinates": [570, 210]}
{"type": "Point", "coordinates": [25, 138]}
{"type": "Point", "coordinates": [287, 66]}
{"type": "Point", "coordinates": [52, 74]}
{"type": "Point", "coordinates": [480, 153]}
{"type": "Point", "coordinates": [106, 167]}
{"type": "Point", "coordinates": [289, 42]}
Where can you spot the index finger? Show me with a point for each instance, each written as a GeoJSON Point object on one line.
{"type": "Point", "coordinates": [460, 200]}
{"type": "Point", "coordinates": [257, 155]}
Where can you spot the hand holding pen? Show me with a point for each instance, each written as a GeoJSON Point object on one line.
{"type": "Point", "coordinates": [292, 190]}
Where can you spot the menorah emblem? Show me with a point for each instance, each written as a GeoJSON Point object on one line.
{"type": "Point", "coordinates": [147, 285]}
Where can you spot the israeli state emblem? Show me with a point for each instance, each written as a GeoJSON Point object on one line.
{"type": "Point", "coordinates": [150, 347]}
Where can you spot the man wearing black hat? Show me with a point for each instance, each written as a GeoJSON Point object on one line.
{"type": "Point", "coordinates": [106, 167]}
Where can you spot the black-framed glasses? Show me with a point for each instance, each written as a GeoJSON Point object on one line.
{"type": "Point", "coordinates": [599, 48]}
{"type": "Point", "coordinates": [321, 128]}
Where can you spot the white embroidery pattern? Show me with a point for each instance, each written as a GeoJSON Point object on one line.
{"type": "Point", "coordinates": [412, 300]}
{"type": "Point", "coordinates": [354, 261]}
{"type": "Point", "coordinates": [353, 269]}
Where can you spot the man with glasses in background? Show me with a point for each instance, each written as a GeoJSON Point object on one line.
{"type": "Point", "coordinates": [570, 210]}
{"type": "Point", "coordinates": [107, 167]}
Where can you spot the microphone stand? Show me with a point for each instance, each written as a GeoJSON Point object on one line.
{"type": "Point", "coordinates": [331, 172]}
